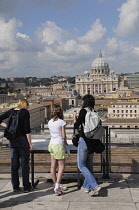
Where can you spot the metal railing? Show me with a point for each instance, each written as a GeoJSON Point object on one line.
{"type": "Point", "coordinates": [119, 156]}
{"type": "Point", "coordinates": [102, 160]}
{"type": "Point", "coordinates": [124, 150]}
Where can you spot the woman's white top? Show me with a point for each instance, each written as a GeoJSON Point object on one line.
{"type": "Point", "coordinates": [55, 128]}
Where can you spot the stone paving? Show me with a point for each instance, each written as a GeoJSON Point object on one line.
{"type": "Point", "coordinates": [118, 193]}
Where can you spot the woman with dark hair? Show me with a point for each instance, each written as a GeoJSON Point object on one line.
{"type": "Point", "coordinates": [85, 149]}
{"type": "Point", "coordinates": [56, 148]}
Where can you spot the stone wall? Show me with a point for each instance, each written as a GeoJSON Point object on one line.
{"type": "Point", "coordinates": [123, 159]}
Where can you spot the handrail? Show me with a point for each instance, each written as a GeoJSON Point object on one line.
{"type": "Point", "coordinates": [104, 155]}
{"type": "Point", "coordinates": [121, 144]}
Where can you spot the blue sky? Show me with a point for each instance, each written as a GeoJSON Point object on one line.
{"type": "Point", "coordinates": [43, 38]}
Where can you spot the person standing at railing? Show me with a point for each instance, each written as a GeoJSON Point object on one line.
{"type": "Point", "coordinates": [20, 149]}
{"type": "Point", "coordinates": [56, 148]}
{"type": "Point", "coordinates": [85, 149]}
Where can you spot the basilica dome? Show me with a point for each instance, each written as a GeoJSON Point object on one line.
{"type": "Point", "coordinates": [99, 61]}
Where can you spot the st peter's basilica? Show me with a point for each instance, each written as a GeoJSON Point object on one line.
{"type": "Point", "coordinates": [99, 80]}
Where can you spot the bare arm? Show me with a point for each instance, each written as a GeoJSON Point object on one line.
{"type": "Point", "coordinates": [29, 140]}
{"type": "Point", "coordinates": [3, 124]}
{"type": "Point", "coordinates": [74, 116]}
{"type": "Point", "coordinates": [64, 134]}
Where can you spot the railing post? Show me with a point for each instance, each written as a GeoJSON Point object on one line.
{"type": "Point", "coordinates": [32, 169]}
{"type": "Point", "coordinates": [106, 158]}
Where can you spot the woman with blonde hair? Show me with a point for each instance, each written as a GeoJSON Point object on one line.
{"type": "Point", "coordinates": [56, 148]}
{"type": "Point", "coordinates": [20, 149]}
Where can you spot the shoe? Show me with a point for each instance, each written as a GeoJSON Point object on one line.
{"type": "Point", "coordinates": [17, 190]}
{"type": "Point", "coordinates": [28, 190]}
{"type": "Point", "coordinates": [58, 191]}
{"type": "Point", "coordinates": [95, 191]}
{"type": "Point", "coordinates": [61, 187]}
{"type": "Point", "coordinates": [85, 190]}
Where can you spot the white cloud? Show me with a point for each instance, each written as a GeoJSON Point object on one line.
{"type": "Point", "coordinates": [25, 44]}
{"type": "Point", "coordinates": [95, 34]}
{"type": "Point", "coordinates": [122, 56]}
{"type": "Point", "coordinates": [8, 61]}
{"type": "Point", "coordinates": [8, 32]}
{"type": "Point", "coordinates": [23, 36]}
{"type": "Point", "coordinates": [13, 48]}
{"type": "Point", "coordinates": [58, 49]}
{"type": "Point", "coordinates": [115, 46]}
{"type": "Point", "coordinates": [136, 50]}
{"type": "Point", "coordinates": [55, 51]}
{"type": "Point", "coordinates": [128, 19]}
{"type": "Point", "coordinates": [49, 33]}
{"type": "Point", "coordinates": [72, 48]}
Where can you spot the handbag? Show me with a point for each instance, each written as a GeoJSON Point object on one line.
{"type": "Point", "coordinates": [75, 137]}
{"type": "Point", "coordinates": [97, 133]}
{"type": "Point", "coordinates": [95, 145]}
{"type": "Point", "coordinates": [99, 147]}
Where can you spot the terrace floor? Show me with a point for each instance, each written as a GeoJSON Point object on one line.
{"type": "Point", "coordinates": [120, 192]}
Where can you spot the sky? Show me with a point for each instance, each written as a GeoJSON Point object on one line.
{"type": "Point", "coordinates": [44, 38]}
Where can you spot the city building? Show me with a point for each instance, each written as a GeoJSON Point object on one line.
{"type": "Point", "coordinates": [131, 80]}
{"type": "Point", "coordinates": [16, 85]}
{"type": "Point", "coordinates": [73, 101]}
{"type": "Point", "coordinates": [69, 114]}
{"type": "Point", "coordinates": [121, 123]}
{"type": "Point", "coordinates": [99, 80]}
{"type": "Point", "coordinates": [10, 97]}
{"type": "Point", "coordinates": [37, 115]}
{"type": "Point", "coordinates": [103, 104]}
{"type": "Point", "coordinates": [41, 91]}
{"type": "Point", "coordinates": [63, 102]}
{"type": "Point", "coordinates": [6, 97]}
{"type": "Point", "coordinates": [123, 109]}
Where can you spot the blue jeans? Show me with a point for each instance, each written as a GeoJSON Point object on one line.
{"type": "Point", "coordinates": [85, 165]}
{"type": "Point", "coordinates": [20, 155]}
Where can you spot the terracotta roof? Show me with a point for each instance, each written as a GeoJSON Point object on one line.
{"type": "Point", "coordinates": [126, 103]}
{"type": "Point", "coordinates": [105, 102]}
{"type": "Point", "coordinates": [121, 120]}
{"type": "Point", "coordinates": [35, 105]}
